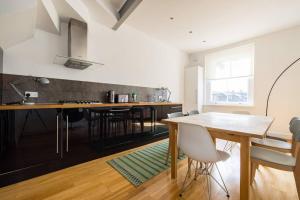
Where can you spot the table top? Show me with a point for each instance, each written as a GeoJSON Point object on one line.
{"type": "Point", "coordinates": [245, 125]}
{"type": "Point", "coordinates": [74, 105]}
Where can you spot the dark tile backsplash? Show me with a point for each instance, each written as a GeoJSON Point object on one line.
{"type": "Point", "coordinates": [60, 89]}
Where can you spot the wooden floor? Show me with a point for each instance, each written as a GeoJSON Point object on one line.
{"type": "Point", "coordinates": [97, 180]}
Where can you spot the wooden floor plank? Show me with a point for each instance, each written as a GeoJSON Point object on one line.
{"type": "Point", "coordinates": [97, 180]}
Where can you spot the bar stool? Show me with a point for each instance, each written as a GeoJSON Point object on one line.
{"type": "Point", "coordinates": [116, 117]}
{"type": "Point", "coordinates": [137, 115]}
{"type": "Point", "coordinates": [97, 123]}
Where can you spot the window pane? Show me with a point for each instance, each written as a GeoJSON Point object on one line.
{"type": "Point", "coordinates": [229, 76]}
{"type": "Point", "coordinates": [223, 69]}
{"type": "Point", "coordinates": [232, 91]}
{"type": "Point", "coordinates": [229, 63]}
{"type": "Point", "coordinates": [241, 67]}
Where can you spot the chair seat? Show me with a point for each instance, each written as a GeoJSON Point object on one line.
{"type": "Point", "coordinates": [272, 156]}
{"type": "Point", "coordinates": [280, 136]}
{"type": "Point", "coordinates": [223, 155]}
{"type": "Point", "coordinates": [272, 143]}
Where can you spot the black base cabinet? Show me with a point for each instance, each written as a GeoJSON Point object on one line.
{"type": "Point", "coordinates": [27, 149]}
{"type": "Point", "coordinates": [37, 147]}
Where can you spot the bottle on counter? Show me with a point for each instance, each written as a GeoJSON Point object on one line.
{"type": "Point", "coordinates": [133, 97]}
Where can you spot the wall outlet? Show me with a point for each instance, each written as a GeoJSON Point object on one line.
{"type": "Point", "coordinates": [32, 94]}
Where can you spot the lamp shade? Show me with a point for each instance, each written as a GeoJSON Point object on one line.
{"type": "Point", "coordinates": [43, 80]}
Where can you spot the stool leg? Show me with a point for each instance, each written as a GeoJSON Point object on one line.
{"type": "Point", "coordinates": [133, 126]}
{"type": "Point", "coordinates": [151, 125]}
{"type": "Point", "coordinates": [125, 126]}
{"type": "Point", "coordinates": [142, 122]}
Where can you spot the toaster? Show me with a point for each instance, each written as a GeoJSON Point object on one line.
{"type": "Point", "coordinates": [122, 98]}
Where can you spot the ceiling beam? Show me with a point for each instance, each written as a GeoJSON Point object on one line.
{"type": "Point", "coordinates": [125, 11]}
{"type": "Point", "coordinates": [109, 8]}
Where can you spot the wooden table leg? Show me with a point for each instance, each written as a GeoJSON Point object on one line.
{"type": "Point", "coordinates": [214, 139]}
{"type": "Point", "coordinates": [173, 146]}
{"type": "Point", "coordinates": [245, 168]}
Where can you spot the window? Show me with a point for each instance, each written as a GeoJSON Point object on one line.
{"type": "Point", "coordinates": [229, 76]}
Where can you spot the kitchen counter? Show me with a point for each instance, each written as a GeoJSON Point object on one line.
{"type": "Point", "coordinates": [47, 144]}
{"type": "Point", "coordinates": [74, 105]}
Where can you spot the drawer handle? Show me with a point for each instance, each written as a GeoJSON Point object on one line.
{"type": "Point", "coordinates": [57, 134]}
{"type": "Point", "coordinates": [67, 146]}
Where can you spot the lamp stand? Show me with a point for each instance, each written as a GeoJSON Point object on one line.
{"type": "Point", "coordinates": [276, 80]}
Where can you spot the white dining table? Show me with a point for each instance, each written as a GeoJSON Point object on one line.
{"type": "Point", "coordinates": [232, 127]}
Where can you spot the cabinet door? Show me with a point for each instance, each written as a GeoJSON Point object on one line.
{"type": "Point", "coordinates": [77, 147]}
{"type": "Point", "coordinates": [29, 147]}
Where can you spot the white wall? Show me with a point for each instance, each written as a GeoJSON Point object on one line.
{"type": "Point", "coordinates": [273, 53]}
{"type": "Point", "coordinates": [130, 57]}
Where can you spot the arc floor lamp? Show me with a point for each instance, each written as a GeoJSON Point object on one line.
{"type": "Point", "coordinates": [276, 80]}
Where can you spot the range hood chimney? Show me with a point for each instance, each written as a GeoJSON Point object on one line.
{"type": "Point", "coordinates": [77, 47]}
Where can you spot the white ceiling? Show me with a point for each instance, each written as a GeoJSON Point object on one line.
{"type": "Point", "coordinates": [65, 11]}
{"type": "Point", "coordinates": [218, 22]}
{"type": "Point", "coordinates": [17, 20]}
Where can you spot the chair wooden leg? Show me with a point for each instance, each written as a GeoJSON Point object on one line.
{"type": "Point", "coordinates": [297, 173]}
{"type": "Point", "coordinates": [254, 167]}
{"type": "Point", "coordinates": [189, 166]}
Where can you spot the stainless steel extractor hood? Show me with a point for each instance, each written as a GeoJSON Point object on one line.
{"type": "Point", "coordinates": [77, 47]}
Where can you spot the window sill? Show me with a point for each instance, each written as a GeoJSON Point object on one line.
{"type": "Point", "coordinates": [231, 105]}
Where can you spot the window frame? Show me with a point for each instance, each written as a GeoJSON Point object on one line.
{"type": "Point", "coordinates": [251, 78]}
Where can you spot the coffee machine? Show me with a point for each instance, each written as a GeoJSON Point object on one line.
{"type": "Point", "coordinates": [111, 96]}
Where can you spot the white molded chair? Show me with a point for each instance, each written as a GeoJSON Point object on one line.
{"type": "Point", "coordinates": [194, 112]}
{"type": "Point", "coordinates": [279, 160]}
{"type": "Point", "coordinates": [175, 114]}
{"type": "Point", "coordinates": [172, 115]}
{"type": "Point", "coordinates": [196, 143]}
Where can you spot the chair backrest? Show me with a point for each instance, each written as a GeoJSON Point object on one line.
{"type": "Point", "coordinates": [193, 112]}
{"type": "Point", "coordinates": [293, 120]}
{"type": "Point", "coordinates": [295, 130]}
{"type": "Point", "coordinates": [297, 172]}
{"type": "Point", "coordinates": [176, 114]}
{"type": "Point", "coordinates": [196, 142]}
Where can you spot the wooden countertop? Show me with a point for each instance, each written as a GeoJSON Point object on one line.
{"type": "Point", "coordinates": [74, 105]}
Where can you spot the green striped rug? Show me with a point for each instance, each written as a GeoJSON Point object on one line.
{"type": "Point", "coordinates": [140, 166]}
